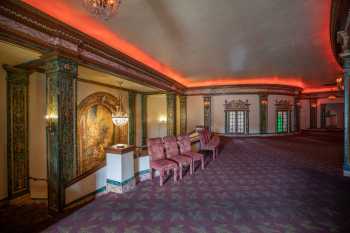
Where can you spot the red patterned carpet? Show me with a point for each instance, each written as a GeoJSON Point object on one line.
{"type": "Point", "coordinates": [279, 184]}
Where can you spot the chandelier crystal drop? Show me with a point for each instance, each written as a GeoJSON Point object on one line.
{"type": "Point", "coordinates": [102, 8]}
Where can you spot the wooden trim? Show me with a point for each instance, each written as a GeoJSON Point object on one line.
{"type": "Point", "coordinates": [260, 86]}
{"type": "Point", "coordinates": [104, 85]}
{"type": "Point", "coordinates": [44, 33]}
{"type": "Point", "coordinates": [84, 199]}
{"type": "Point", "coordinates": [241, 93]}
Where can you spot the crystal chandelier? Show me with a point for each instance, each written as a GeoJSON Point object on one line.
{"type": "Point", "coordinates": [119, 118]}
{"type": "Point", "coordinates": [102, 8]}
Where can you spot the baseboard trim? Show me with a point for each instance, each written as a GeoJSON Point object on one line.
{"type": "Point", "coordinates": [85, 199]}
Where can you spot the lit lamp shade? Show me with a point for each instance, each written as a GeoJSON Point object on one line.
{"type": "Point", "coordinates": [332, 97]}
{"type": "Point", "coordinates": [314, 105]}
{"type": "Point", "coordinates": [264, 102]}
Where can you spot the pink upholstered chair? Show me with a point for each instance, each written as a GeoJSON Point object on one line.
{"type": "Point", "coordinates": [209, 142]}
{"type": "Point", "coordinates": [158, 160]}
{"type": "Point", "coordinates": [186, 149]}
{"type": "Point", "coordinates": [172, 152]}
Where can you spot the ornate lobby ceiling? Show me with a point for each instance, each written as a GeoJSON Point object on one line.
{"type": "Point", "coordinates": [210, 42]}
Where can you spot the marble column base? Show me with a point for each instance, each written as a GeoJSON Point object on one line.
{"type": "Point", "coordinates": [118, 187]}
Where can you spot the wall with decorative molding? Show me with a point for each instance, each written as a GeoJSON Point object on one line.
{"type": "Point", "coordinates": [304, 114]}
{"type": "Point", "coordinates": [37, 136]}
{"type": "Point", "coordinates": [338, 100]}
{"type": "Point", "coordinates": [3, 160]}
{"type": "Point", "coordinates": [218, 112]}
{"type": "Point", "coordinates": [156, 110]}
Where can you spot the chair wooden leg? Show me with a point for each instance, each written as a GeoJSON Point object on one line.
{"type": "Point", "coordinates": [191, 167]}
{"type": "Point", "coordinates": [202, 161]}
{"type": "Point", "coordinates": [152, 174]}
{"type": "Point", "coordinates": [180, 170]}
{"type": "Point", "coordinates": [161, 177]}
{"type": "Point", "coordinates": [175, 175]}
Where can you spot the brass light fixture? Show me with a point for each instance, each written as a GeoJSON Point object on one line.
{"type": "Point", "coordinates": [119, 117]}
{"type": "Point", "coordinates": [340, 83]}
{"type": "Point", "coordinates": [102, 8]}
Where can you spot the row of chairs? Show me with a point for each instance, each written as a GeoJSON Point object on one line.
{"type": "Point", "coordinates": [173, 154]}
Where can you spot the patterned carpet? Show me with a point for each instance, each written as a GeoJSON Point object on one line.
{"type": "Point", "coordinates": [265, 185]}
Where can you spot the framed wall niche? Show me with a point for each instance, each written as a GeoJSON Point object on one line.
{"type": "Point", "coordinates": [236, 117]}
{"type": "Point", "coordinates": [96, 131]}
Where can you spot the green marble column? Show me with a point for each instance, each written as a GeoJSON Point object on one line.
{"type": "Point", "coordinates": [313, 113]}
{"type": "Point", "coordinates": [346, 115]}
{"type": "Point", "coordinates": [61, 75]}
{"type": "Point", "coordinates": [263, 103]}
{"type": "Point", "coordinates": [183, 114]}
{"type": "Point", "coordinates": [132, 118]}
{"type": "Point", "coordinates": [171, 114]}
{"type": "Point", "coordinates": [207, 112]}
{"type": "Point", "coordinates": [17, 131]}
{"type": "Point", "coordinates": [144, 119]}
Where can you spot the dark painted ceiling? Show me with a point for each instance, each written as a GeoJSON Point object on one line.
{"type": "Point", "coordinates": [226, 41]}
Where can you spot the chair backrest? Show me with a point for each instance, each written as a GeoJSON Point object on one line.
{"type": "Point", "coordinates": [155, 149]}
{"type": "Point", "coordinates": [184, 143]}
{"type": "Point", "coordinates": [204, 136]}
{"type": "Point", "coordinates": [170, 145]}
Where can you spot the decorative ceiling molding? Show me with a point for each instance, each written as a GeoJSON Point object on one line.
{"type": "Point", "coordinates": [245, 89]}
{"type": "Point", "coordinates": [283, 105]}
{"type": "Point", "coordinates": [339, 17]}
{"type": "Point", "coordinates": [20, 22]}
{"type": "Point", "coordinates": [236, 105]}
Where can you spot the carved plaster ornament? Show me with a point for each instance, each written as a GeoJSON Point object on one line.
{"type": "Point", "coordinates": [344, 39]}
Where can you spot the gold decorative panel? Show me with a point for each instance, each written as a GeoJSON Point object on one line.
{"type": "Point", "coordinates": [96, 130]}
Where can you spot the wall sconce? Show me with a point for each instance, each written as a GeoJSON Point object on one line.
{"type": "Point", "coordinates": [264, 102]}
{"type": "Point", "coordinates": [340, 83]}
{"type": "Point", "coordinates": [298, 104]}
{"type": "Point", "coordinates": [162, 119]}
{"type": "Point", "coordinates": [313, 105]}
{"type": "Point", "coordinates": [51, 120]}
{"type": "Point", "coordinates": [332, 97]}
{"type": "Point", "coordinates": [206, 102]}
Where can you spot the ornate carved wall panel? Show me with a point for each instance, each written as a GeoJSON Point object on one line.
{"type": "Point", "coordinates": [171, 114]}
{"type": "Point", "coordinates": [132, 118]}
{"type": "Point", "coordinates": [96, 130]}
{"type": "Point", "coordinates": [61, 74]}
{"type": "Point", "coordinates": [207, 111]}
{"type": "Point", "coordinates": [17, 132]}
{"type": "Point", "coordinates": [183, 114]}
